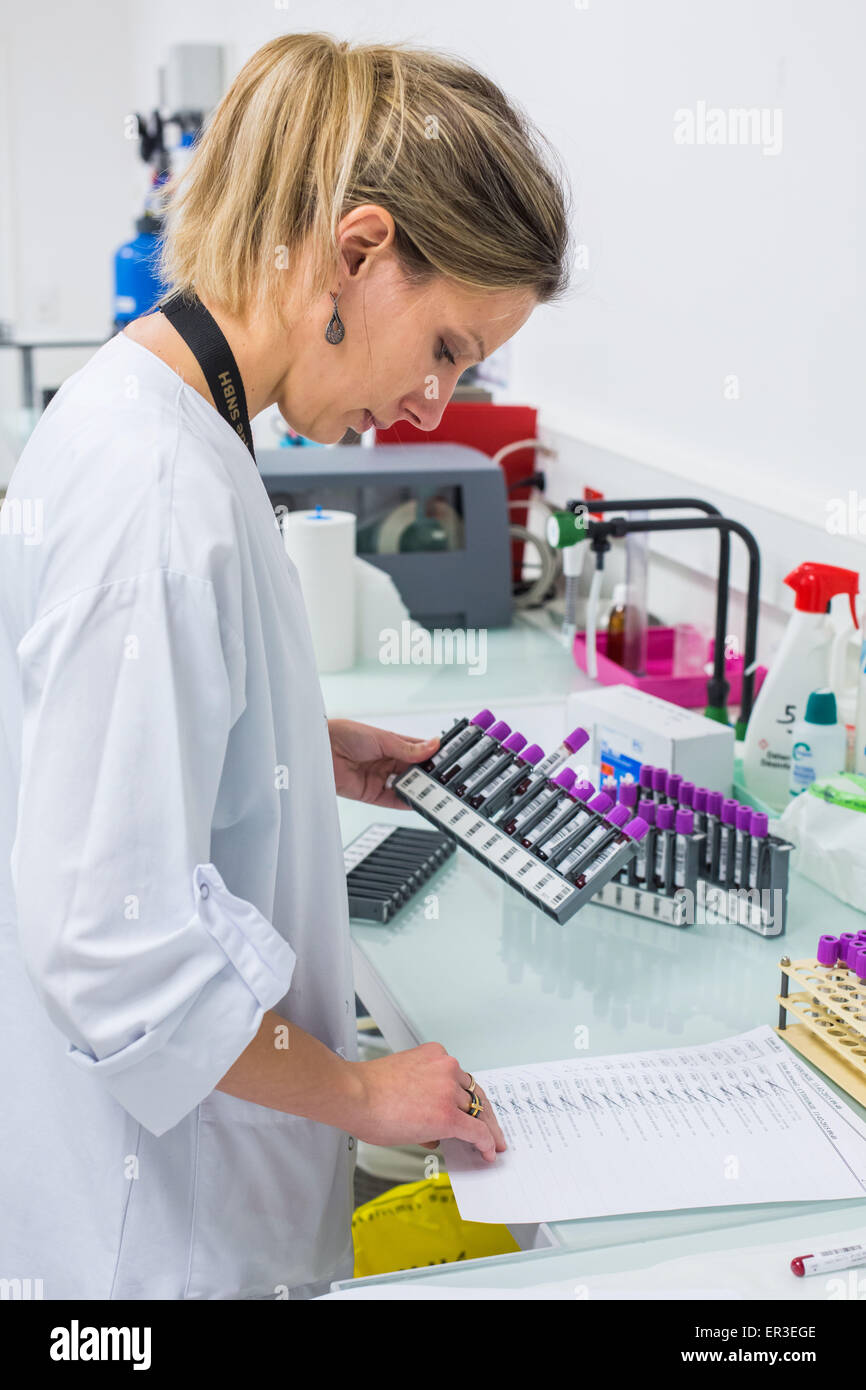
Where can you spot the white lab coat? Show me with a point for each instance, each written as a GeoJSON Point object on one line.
{"type": "Point", "coordinates": [167, 803]}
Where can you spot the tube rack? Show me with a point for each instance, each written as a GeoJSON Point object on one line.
{"type": "Point", "coordinates": [672, 908]}
{"type": "Point", "coordinates": [485, 841]}
{"type": "Point", "coordinates": [398, 864]}
{"type": "Point", "coordinates": [830, 1006]}
{"type": "Point", "coordinates": [701, 899]}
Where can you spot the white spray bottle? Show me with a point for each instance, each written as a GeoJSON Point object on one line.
{"type": "Point", "coordinates": [860, 736]}
{"type": "Point", "coordinates": [801, 665]}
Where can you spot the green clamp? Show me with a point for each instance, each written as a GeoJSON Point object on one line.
{"type": "Point", "coordinates": [565, 528]}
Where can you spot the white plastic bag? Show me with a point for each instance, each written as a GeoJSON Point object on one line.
{"type": "Point", "coordinates": [831, 846]}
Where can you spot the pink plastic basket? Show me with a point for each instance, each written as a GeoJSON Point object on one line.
{"type": "Point", "coordinates": [689, 691]}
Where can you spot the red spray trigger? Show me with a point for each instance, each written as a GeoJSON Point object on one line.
{"type": "Point", "coordinates": [815, 585]}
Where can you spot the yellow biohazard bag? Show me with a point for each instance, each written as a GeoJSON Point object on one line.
{"type": "Point", "coordinates": [418, 1224]}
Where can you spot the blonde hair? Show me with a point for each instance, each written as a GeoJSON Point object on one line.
{"type": "Point", "coordinates": [311, 128]}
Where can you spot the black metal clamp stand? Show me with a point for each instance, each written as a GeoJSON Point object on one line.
{"type": "Point", "coordinates": [600, 532]}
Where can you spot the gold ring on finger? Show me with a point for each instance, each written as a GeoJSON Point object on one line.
{"type": "Point", "coordinates": [475, 1105]}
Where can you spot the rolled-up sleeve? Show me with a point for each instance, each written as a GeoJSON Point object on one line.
{"type": "Point", "coordinates": [156, 974]}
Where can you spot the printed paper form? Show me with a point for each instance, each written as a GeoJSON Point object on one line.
{"type": "Point", "coordinates": [720, 1124]}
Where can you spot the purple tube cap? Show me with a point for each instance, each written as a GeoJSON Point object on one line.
{"type": "Point", "coordinates": [665, 818]}
{"type": "Point", "coordinates": [636, 829]}
{"type": "Point", "coordinates": [852, 951]}
{"type": "Point", "coordinates": [533, 754]}
{"type": "Point", "coordinates": [576, 739]}
{"type": "Point", "coordinates": [618, 815]}
{"type": "Point", "coordinates": [645, 776]}
{"type": "Point", "coordinates": [515, 743]}
{"type": "Point", "coordinates": [858, 963]}
{"type": "Point", "coordinates": [601, 802]}
{"type": "Point", "coordinates": [673, 784]}
{"type": "Point", "coordinates": [687, 794]}
{"type": "Point", "coordinates": [700, 799]}
{"type": "Point", "coordinates": [647, 811]}
{"type": "Point", "coordinates": [499, 730]}
{"type": "Point", "coordinates": [566, 778]}
{"type": "Point", "coordinates": [483, 719]}
{"type": "Point", "coordinates": [744, 817]}
{"type": "Point", "coordinates": [660, 779]}
{"type": "Point", "coordinates": [730, 807]}
{"type": "Point", "coordinates": [685, 822]}
{"type": "Point", "coordinates": [759, 825]}
{"type": "Point", "coordinates": [628, 793]}
{"type": "Point", "coordinates": [828, 950]}
{"type": "Point", "coordinates": [714, 803]}
{"type": "Point", "coordinates": [584, 790]}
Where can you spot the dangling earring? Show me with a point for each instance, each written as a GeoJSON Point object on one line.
{"type": "Point", "coordinates": [335, 331]}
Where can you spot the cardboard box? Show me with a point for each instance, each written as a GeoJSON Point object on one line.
{"type": "Point", "coordinates": [627, 727]}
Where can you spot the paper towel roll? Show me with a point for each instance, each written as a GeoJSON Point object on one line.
{"type": "Point", "coordinates": [321, 544]}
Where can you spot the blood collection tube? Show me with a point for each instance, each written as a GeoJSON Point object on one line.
{"type": "Point", "coordinates": [579, 828]}
{"type": "Point", "coordinates": [699, 806]}
{"type": "Point", "coordinates": [853, 951]}
{"type": "Point", "coordinates": [456, 741]}
{"type": "Point", "coordinates": [637, 869]}
{"type": "Point", "coordinates": [572, 814]}
{"type": "Point", "coordinates": [514, 782]}
{"type": "Point", "coordinates": [645, 780]}
{"type": "Point", "coordinates": [546, 796]}
{"type": "Point", "coordinates": [826, 1261]}
{"type": "Point", "coordinates": [615, 854]}
{"type": "Point", "coordinates": [687, 795]}
{"type": "Point", "coordinates": [510, 801]}
{"type": "Point", "coordinates": [663, 867]}
{"type": "Point", "coordinates": [828, 951]}
{"type": "Point", "coordinates": [684, 825]}
{"type": "Point", "coordinates": [714, 810]}
{"type": "Point", "coordinates": [845, 939]}
{"type": "Point", "coordinates": [571, 744]}
{"type": "Point", "coordinates": [500, 762]}
{"type": "Point", "coordinates": [758, 830]}
{"type": "Point", "coordinates": [485, 746]}
{"type": "Point", "coordinates": [456, 728]}
{"type": "Point", "coordinates": [660, 782]}
{"type": "Point", "coordinates": [743, 850]}
{"type": "Point", "coordinates": [628, 796]}
{"type": "Point", "coordinates": [583, 854]}
{"type": "Point", "coordinates": [672, 787]}
{"type": "Point", "coordinates": [537, 826]}
{"type": "Point", "coordinates": [727, 840]}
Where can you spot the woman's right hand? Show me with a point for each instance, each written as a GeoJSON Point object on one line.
{"type": "Point", "coordinates": [420, 1097]}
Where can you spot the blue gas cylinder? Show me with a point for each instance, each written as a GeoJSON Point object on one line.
{"type": "Point", "coordinates": [137, 285]}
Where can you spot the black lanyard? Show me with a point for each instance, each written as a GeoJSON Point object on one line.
{"type": "Point", "coordinates": [206, 341]}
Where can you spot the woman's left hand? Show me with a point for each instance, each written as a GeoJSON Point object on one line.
{"type": "Point", "coordinates": [364, 758]}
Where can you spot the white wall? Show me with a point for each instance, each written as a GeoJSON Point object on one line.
{"type": "Point", "coordinates": [703, 262]}
{"type": "Point", "coordinates": [69, 180]}
{"type": "Point", "coordinates": [709, 261]}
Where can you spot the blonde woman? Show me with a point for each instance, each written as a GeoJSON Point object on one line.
{"type": "Point", "coordinates": [180, 1090]}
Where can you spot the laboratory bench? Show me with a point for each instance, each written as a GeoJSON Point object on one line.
{"type": "Point", "coordinates": [499, 983]}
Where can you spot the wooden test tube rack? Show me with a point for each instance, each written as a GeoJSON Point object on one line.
{"type": "Point", "coordinates": [829, 1003]}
